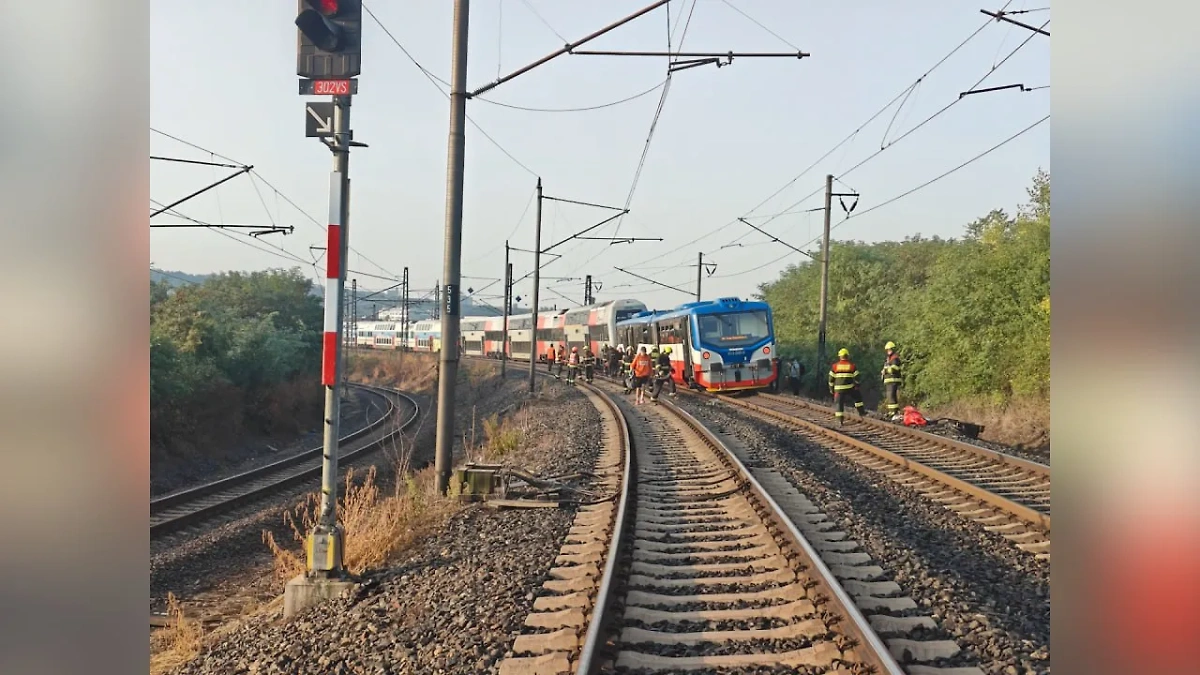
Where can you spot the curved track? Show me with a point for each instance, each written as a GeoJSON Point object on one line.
{"type": "Point", "coordinates": [1005, 494]}
{"type": "Point", "coordinates": [704, 570]}
{"type": "Point", "coordinates": [189, 507]}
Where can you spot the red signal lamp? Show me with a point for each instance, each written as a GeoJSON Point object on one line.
{"type": "Point", "coordinates": [314, 23]}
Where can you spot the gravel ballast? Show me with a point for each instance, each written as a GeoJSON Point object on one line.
{"type": "Point", "coordinates": [988, 596]}
{"type": "Point", "coordinates": [1040, 454]}
{"type": "Point", "coordinates": [454, 602]}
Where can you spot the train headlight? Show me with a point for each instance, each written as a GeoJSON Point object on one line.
{"type": "Point", "coordinates": [705, 355]}
{"type": "Point", "coordinates": [766, 350]}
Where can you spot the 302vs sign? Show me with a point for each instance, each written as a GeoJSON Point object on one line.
{"type": "Point", "coordinates": [328, 87]}
{"type": "Point", "coordinates": [331, 87]}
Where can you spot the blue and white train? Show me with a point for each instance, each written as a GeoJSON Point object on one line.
{"type": "Point", "coordinates": [716, 345]}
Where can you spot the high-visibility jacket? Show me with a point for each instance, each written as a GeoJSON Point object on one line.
{"type": "Point", "coordinates": [573, 359]}
{"type": "Point", "coordinates": [663, 366]}
{"type": "Point", "coordinates": [550, 354]}
{"type": "Point", "coordinates": [843, 375]}
{"type": "Point", "coordinates": [588, 358]}
{"type": "Point", "coordinates": [891, 369]}
{"type": "Point", "coordinates": [642, 365]}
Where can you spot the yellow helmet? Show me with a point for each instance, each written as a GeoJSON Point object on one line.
{"type": "Point", "coordinates": [666, 350]}
{"type": "Point", "coordinates": [843, 353]}
{"type": "Point", "coordinates": [890, 345]}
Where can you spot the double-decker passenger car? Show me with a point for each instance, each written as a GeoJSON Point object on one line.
{"type": "Point", "coordinates": [426, 336]}
{"type": "Point", "coordinates": [377, 335]}
{"type": "Point", "coordinates": [717, 345]}
{"type": "Point", "coordinates": [594, 325]}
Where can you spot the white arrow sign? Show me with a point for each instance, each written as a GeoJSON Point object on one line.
{"type": "Point", "coordinates": [324, 124]}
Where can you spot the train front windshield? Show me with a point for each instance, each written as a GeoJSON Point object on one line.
{"type": "Point", "coordinates": [734, 330]}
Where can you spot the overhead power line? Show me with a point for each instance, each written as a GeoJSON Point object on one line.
{"type": "Point", "coordinates": [902, 195]}
{"type": "Point", "coordinates": [579, 109]}
{"type": "Point", "coordinates": [438, 83]}
{"type": "Point", "coordinates": [887, 106]}
{"type": "Point", "coordinates": [254, 174]}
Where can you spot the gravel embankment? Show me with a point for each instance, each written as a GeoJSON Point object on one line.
{"type": "Point", "coordinates": [456, 600]}
{"type": "Point", "coordinates": [988, 596]}
{"type": "Point", "coordinates": [202, 565]}
{"type": "Point", "coordinates": [1034, 454]}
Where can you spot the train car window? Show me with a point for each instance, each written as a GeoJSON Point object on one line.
{"type": "Point", "coordinates": [740, 328]}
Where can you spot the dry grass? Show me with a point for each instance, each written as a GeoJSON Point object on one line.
{"type": "Point", "coordinates": [1022, 422]}
{"type": "Point", "coordinates": [501, 438]}
{"type": "Point", "coordinates": [377, 525]}
{"type": "Point", "coordinates": [413, 371]}
{"type": "Point", "coordinates": [478, 372]}
{"type": "Point", "coordinates": [409, 371]}
{"type": "Point", "coordinates": [176, 644]}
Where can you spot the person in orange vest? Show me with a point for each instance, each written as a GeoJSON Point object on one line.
{"type": "Point", "coordinates": [642, 369]}
{"type": "Point", "coordinates": [843, 384]}
{"type": "Point", "coordinates": [560, 360]}
{"type": "Point", "coordinates": [572, 365]}
{"type": "Point", "coordinates": [550, 359]}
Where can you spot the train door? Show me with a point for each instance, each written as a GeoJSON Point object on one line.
{"type": "Point", "coordinates": [684, 331]}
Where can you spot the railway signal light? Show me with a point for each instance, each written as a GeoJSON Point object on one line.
{"type": "Point", "coordinates": [329, 39]}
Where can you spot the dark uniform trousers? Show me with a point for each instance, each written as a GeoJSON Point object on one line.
{"type": "Point", "coordinates": [891, 393]}
{"type": "Point", "coordinates": [840, 398]}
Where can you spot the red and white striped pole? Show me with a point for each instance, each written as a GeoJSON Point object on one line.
{"type": "Point", "coordinates": [325, 542]}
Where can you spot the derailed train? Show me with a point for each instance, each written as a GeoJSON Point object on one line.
{"type": "Point", "coordinates": [718, 345]}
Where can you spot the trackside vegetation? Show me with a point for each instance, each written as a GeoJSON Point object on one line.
{"type": "Point", "coordinates": [237, 353]}
{"type": "Point", "coordinates": [971, 315]}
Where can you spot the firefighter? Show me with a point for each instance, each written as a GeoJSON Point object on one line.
{"type": "Point", "coordinates": [615, 356]}
{"type": "Point", "coordinates": [550, 359]}
{"type": "Point", "coordinates": [843, 384]}
{"type": "Point", "coordinates": [891, 379]}
{"type": "Point", "coordinates": [589, 363]}
{"type": "Point", "coordinates": [572, 365]}
{"type": "Point", "coordinates": [627, 369]}
{"type": "Point", "coordinates": [643, 367]}
{"type": "Point", "coordinates": [662, 374]}
{"type": "Point", "coordinates": [603, 360]}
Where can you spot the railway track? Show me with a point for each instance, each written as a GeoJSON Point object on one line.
{"type": "Point", "coordinates": [186, 508]}
{"type": "Point", "coordinates": [1004, 494]}
{"type": "Point", "coordinates": [712, 563]}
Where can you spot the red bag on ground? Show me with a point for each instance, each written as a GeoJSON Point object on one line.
{"type": "Point", "coordinates": [913, 417]}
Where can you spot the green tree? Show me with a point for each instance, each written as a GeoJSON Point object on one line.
{"type": "Point", "coordinates": [234, 337]}
{"type": "Point", "coordinates": [971, 316]}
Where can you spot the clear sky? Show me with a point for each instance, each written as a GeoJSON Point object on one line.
{"type": "Point", "coordinates": [223, 78]}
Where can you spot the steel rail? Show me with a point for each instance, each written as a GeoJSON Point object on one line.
{"type": "Point", "coordinates": [216, 487]}
{"type": "Point", "coordinates": [857, 627]}
{"type": "Point", "coordinates": [1019, 510]}
{"type": "Point", "coordinates": [995, 455]}
{"type": "Point", "coordinates": [589, 653]}
{"type": "Point", "coordinates": [880, 656]}
{"type": "Point", "coordinates": [175, 499]}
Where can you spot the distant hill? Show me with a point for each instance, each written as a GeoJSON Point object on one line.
{"type": "Point", "coordinates": [176, 278]}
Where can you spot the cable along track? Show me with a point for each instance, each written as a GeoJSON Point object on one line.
{"type": "Point", "coordinates": [185, 508]}
{"type": "Point", "coordinates": [1006, 495]}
